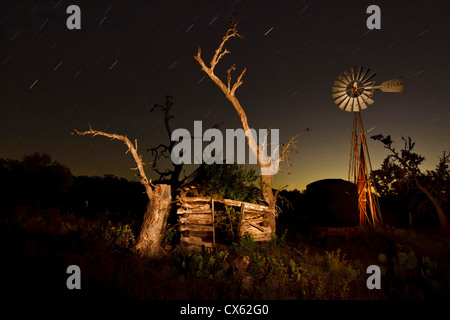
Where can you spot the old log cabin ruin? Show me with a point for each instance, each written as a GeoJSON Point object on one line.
{"type": "Point", "coordinates": [198, 224]}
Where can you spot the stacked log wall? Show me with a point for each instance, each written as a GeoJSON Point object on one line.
{"type": "Point", "coordinates": [197, 220]}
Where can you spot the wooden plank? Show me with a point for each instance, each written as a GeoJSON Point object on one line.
{"type": "Point", "coordinates": [255, 225]}
{"type": "Point", "coordinates": [228, 202]}
{"type": "Point", "coordinates": [263, 237]}
{"type": "Point", "coordinates": [206, 219]}
{"type": "Point", "coordinates": [186, 205]}
{"type": "Point", "coordinates": [257, 212]}
{"type": "Point", "coordinates": [248, 206]}
{"type": "Point", "coordinates": [189, 211]}
{"type": "Point", "coordinates": [195, 227]}
{"type": "Point", "coordinates": [197, 215]}
{"type": "Point", "coordinates": [194, 199]}
{"type": "Point", "coordinates": [251, 216]}
{"type": "Point", "coordinates": [254, 220]}
{"type": "Point", "coordinates": [257, 230]}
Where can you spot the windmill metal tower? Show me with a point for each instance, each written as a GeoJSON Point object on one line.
{"type": "Point", "coordinates": [353, 91]}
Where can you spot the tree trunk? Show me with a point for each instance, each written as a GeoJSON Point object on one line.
{"type": "Point", "coordinates": [443, 222]}
{"type": "Point", "coordinates": [155, 220]}
{"type": "Point", "coordinates": [266, 188]}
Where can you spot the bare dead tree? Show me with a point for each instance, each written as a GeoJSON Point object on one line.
{"type": "Point", "coordinates": [159, 196]}
{"type": "Point", "coordinates": [163, 151]}
{"type": "Point", "coordinates": [229, 89]}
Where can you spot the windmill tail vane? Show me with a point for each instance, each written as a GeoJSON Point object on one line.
{"type": "Point", "coordinates": [394, 85]}
{"type": "Point", "coordinates": [353, 90]}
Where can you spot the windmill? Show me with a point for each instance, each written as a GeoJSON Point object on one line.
{"type": "Point", "coordinates": [353, 91]}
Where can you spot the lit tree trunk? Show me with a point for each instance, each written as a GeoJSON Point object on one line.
{"type": "Point", "coordinates": [266, 189]}
{"type": "Point", "coordinates": [443, 222]}
{"type": "Point", "coordinates": [155, 221]}
{"type": "Point", "coordinates": [155, 218]}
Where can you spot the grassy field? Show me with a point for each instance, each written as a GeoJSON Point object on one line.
{"type": "Point", "coordinates": [42, 244]}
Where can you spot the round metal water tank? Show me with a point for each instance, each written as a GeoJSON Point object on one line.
{"type": "Point", "coordinates": [332, 203]}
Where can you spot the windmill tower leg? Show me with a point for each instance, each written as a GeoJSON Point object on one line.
{"type": "Point", "coordinates": [359, 170]}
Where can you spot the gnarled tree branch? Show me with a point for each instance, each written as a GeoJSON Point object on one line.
{"type": "Point", "coordinates": [131, 148]}
{"type": "Point", "coordinates": [229, 90]}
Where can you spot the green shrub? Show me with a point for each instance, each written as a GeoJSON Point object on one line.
{"type": "Point", "coordinates": [230, 181]}
{"type": "Point", "coordinates": [266, 257]}
{"type": "Point", "coordinates": [116, 237]}
{"type": "Point", "coordinates": [326, 276]}
{"type": "Point", "coordinates": [227, 223]}
{"type": "Point", "coordinates": [170, 236]}
{"type": "Point", "coordinates": [300, 274]}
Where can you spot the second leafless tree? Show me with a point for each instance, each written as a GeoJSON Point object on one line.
{"type": "Point", "coordinates": [229, 89]}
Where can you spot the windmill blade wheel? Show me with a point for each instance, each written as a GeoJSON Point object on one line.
{"type": "Point", "coordinates": [351, 91]}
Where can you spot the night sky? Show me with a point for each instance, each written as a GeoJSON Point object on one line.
{"type": "Point", "coordinates": [129, 54]}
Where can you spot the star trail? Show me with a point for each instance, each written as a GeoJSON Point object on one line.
{"type": "Point", "coordinates": [129, 54]}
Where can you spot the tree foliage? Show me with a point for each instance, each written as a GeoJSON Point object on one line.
{"type": "Point", "coordinates": [400, 175]}
{"type": "Point", "coordinates": [398, 168]}
{"type": "Point", "coordinates": [230, 181]}
{"type": "Point", "coordinates": [35, 180]}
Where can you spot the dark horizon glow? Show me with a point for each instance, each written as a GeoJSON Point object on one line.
{"type": "Point", "coordinates": [130, 54]}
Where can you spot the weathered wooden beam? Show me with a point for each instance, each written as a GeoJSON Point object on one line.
{"type": "Point", "coordinates": [186, 205]}
{"type": "Point", "coordinates": [205, 219]}
{"type": "Point", "coordinates": [195, 227]}
{"type": "Point", "coordinates": [189, 211]}
{"type": "Point", "coordinates": [253, 220]}
{"type": "Point", "coordinates": [197, 215]}
{"type": "Point", "coordinates": [257, 212]}
{"type": "Point", "coordinates": [247, 227]}
{"type": "Point", "coordinates": [252, 215]}
{"type": "Point", "coordinates": [228, 202]}
{"type": "Point", "coordinates": [194, 199]}
{"type": "Point", "coordinates": [262, 237]}
{"type": "Point", "coordinates": [255, 225]}
{"type": "Point", "coordinates": [248, 206]}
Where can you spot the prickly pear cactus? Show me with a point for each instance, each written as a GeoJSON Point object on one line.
{"type": "Point", "coordinates": [403, 269]}
{"type": "Point", "coordinates": [203, 264]}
